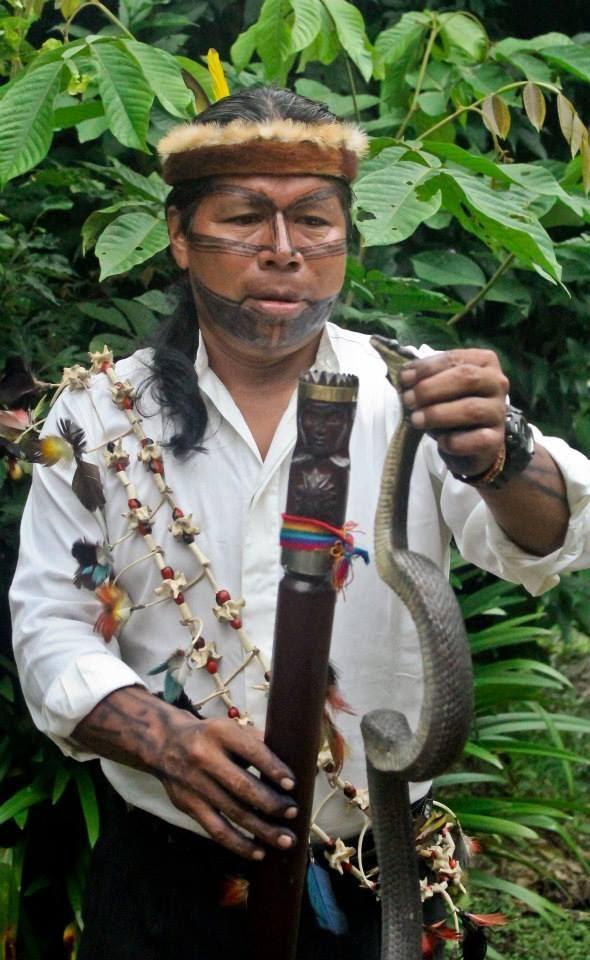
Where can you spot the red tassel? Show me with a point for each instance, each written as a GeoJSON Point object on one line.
{"type": "Point", "coordinates": [234, 892]}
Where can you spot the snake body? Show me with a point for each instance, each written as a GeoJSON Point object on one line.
{"type": "Point", "coordinates": [395, 754]}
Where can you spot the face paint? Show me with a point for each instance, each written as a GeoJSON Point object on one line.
{"type": "Point", "coordinates": [259, 328]}
{"type": "Point", "coordinates": [281, 228]}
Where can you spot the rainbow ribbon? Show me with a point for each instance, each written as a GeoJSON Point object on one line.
{"type": "Point", "coordinates": [305, 533]}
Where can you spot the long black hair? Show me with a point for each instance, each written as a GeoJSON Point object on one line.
{"type": "Point", "coordinates": [173, 378]}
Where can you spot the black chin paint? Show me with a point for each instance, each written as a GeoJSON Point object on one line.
{"type": "Point", "coordinates": [259, 328]}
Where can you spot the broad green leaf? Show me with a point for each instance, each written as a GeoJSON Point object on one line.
{"type": "Point", "coordinates": [89, 803]}
{"type": "Point", "coordinates": [397, 50]}
{"type": "Point", "coordinates": [306, 24]}
{"type": "Point", "coordinates": [243, 48]}
{"type": "Point", "coordinates": [487, 881]}
{"type": "Point", "coordinates": [388, 205]}
{"type": "Point", "coordinates": [496, 116]}
{"type": "Point", "coordinates": [65, 117]}
{"type": "Point", "coordinates": [443, 268]}
{"type": "Point", "coordinates": [465, 34]}
{"type": "Point", "coordinates": [97, 221]}
{"type": "Point", "coordinates": [407, 295]}
{"type": "Point", "coordinates": [273, 38]}
{"type": "Point", "coordinates": [471, 161]}
{"type": "Point", "coordinates": [129, 240]}
{"type": "Point", "coordinates": [350, 28]}
{"type": "Point", "coordinates": [571, 126]}
{"type": "Point", "coordinates": [573, 58]}
{"type": "Point", "coordinates": [26, 114]}
{"type": "Point", "coordinates": [106, 316]}
{"type": "Point", "coordinates": [150, 188]}
{"type": "Point", "coordinates": [204, 80]}
{"type": "Point", "coordinates": [532, 67]}
{"type": "Point", "coordinates": [91, 129]}
{"type": "Point", "coordinates": [342, 106]}
{"type": "Point", "coordinates": [162, 72]}
{"type": "Point", "coordinates": [125, 94]}
{"type": "Point", "coordinates": [535, 45]}
{"type": "Point", "coordinates": [585, 150]}
{"type": "Point", "coordinates": [534, 105]}
{"type": "Point", "coordinates": [500, 219]}
{"type": "Point", "coordinates": [326, 46]}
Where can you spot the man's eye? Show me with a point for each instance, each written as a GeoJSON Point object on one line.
{"type": "Point", "coordinates": [245, 219]}
{"type": "Point", "coordinates": [313, 221]}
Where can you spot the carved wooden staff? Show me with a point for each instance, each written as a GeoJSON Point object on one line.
{"type": "Point", "coordinates": [318, 489]}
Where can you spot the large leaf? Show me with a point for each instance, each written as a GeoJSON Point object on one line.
{"type": "Point", "coordinates": [125, 93]}
{"type": "Point", "coordinates": [129, 240]}
{"type": "Point", "coordinates": [350, 28]}
{"type": "Point", "coordinates": [477, 823]}
{"type": "Point", "coordinates": [26, 114]}
{"type": "Point", "coordinates": [273, 38]}
{"type": "Point", "coordinates": [388, 205]}
{"type": "Point", "coordinates": [163, 75]}
{"type": "Point", "coordinates": [463, 36]}
{"type": "Point", "coordinates": [243, 48]}
{"type": "Point", "coordinates": [397, 50]}
{"type": "Point", "coordinates": [306, 24]}
{"type": "Point", "coordinates": [487, 881]}
{"type": "Point", "coordinates": [89, 803]}
{"type": "Point", "coordinates": [502, 219]}
{"type": "Point", "coordinates": [573, 58]}
{"type": "Point", "coordinates": [21, 800]}
{"type": "Point", "coordinates": [443, 268]}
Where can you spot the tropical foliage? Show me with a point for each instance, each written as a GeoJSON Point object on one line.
{"type": "Point", "coordinates": [472, 211]}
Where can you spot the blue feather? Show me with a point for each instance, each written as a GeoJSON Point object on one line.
{"type": "Point", "coordinates": [321, 896]}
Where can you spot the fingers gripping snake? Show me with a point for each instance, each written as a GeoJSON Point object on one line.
{"type": "Point", "coordinates": [395, 754]}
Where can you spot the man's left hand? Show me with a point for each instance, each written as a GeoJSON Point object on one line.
{"type": "Point", "coordinates": [459, 398]}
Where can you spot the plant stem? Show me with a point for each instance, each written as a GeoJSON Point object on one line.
{"type": "Point", "coordinates": [357, 113]}
{"type": "Point", "coordinates": [504, 266]}
{"type": "Point", "coordinates": [105, 10]}
{"type": "Point", "coordinates": [472, 106]}
{"type": "Point", "coordinates": [422, 73]}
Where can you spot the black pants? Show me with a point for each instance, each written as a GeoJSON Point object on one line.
{"type": "Point", "coordinates": [154, 893]}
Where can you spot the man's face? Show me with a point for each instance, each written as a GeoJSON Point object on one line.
{"type": "Point", "coordinates": [266, 258]}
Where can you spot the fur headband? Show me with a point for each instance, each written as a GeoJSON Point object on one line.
{"type": "Point", "coordinates": [242, 147]}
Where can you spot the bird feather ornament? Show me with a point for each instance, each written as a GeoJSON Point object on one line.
{"type": "Point", "coordinates": [95, 564]}
{"type": "Point", "coordinates": [86, 484]}
{"type": "Point", "coordinates": [323, 901]}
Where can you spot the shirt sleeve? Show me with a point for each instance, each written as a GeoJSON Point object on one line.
{"type": "Point", "coordinates": [482, 542]}
{"type": "Point", "coordinates": [65, 667]}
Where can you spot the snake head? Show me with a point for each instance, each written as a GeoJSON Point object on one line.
{"type": "Point", "coordinates": [394, 354]}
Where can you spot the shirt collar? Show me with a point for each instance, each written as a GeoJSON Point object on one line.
{"type": "Point", "coordinates": [326, 357]}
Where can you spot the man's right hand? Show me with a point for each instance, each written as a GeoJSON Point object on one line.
{"type": "Point", "coordinates": [202, 764]}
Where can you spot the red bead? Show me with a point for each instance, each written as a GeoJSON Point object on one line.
{"type": "Point", "coordinates": [236, 623]}
{"type": "Point", "coordinates": [167, 573]}
{"type": "Point", "coordinates": [233, 713]}
{"type": "Point", "coordinates": [144, 528]}
{"type": "Point", "coordinates": [127, 403]}
{"type": "Point", "coordinates": [349, 790]}
{"type": "Point", "coordinates": [222, 596]}
{"type": "Point", "coordinates": [330, 843]}
{"type": "Point", "coordinates": [211, 667]}
{"type": "Point", "coordinates": [156, 466]}
{"type": "Point", "coordinates": [200, 643]}
{"type": "Point", "coordinates": [179, 599]}
{"type": "Point", "coordinates": [452, 863]}
{"type": "Point", "coordinates": [145, 441]}
{"type": "Point", "coordinates": [177, 513]}
{"type": "Point", "coordinates": [346, 866]}
{"type": "Point", "coordinates": [133, 504]}
{"type": "Point", "coordinates": [104, 366]}
{"type": "Point", "coordinates": [120, 466]}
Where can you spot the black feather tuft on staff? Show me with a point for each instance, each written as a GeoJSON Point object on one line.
{"type": "Point", "coordinates": [74, 434]}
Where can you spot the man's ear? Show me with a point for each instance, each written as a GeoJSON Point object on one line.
{"type": "Point", "coordinates": [178, 242]}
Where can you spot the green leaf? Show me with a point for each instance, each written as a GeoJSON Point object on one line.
{"type": "Point", "coordinates": [243, 48]}
{"type": "Point", "coordinates": [89, 803]}
{"type": "Point", "coordinates": [487, 881]}
{"type": "Point", "coordinates": [478, 823]}
{"type": "Point", "coordinates": [480, 753]}
{"type": "Point", "coordinates": [306, 24]}
{"type": "Point", "coordinates": [538, 750]}
{"type": "Point", "coordinates": [471, 161]}
{"type": "Point", "coordinates": [457, 779]}
{"type": "Point", "coordinates": [26, 114]}
{"type": "Point", "coordinates": [388, 206]}
{"type": "Point", "coordinates": [502, 219]}
{"type": "Point", "coordinates": [97, 221]}
{"type": "Point", "coordinates": [573, 58]}
{"type": "Point", "coordinates": [106, 316]}
{"type": "Point", "coordinates": [21, 800]}
{"type": "Point", "coordinates": [273, 38]}
{"type": "Point", "coordinates": [162, 72]}
{"type": "Point", "coordinates": [534, 105]}
{"type": "Point", "coordinates": [125, 94]}
{"type": "Point", "coordinates": [407, 295]}
{"type": "Point", "coordinates": [397, 51]}
{"type": "Point", "coordinates": [350, 28]}
{"type": "Point", "coordinates": [129, 240]}
{"type": "Point", "coordinates": [443, 268]}
{"type": "Point", "coordinates": [65, 117]}
{"type": "Point", "coordinates": [62, 778]}
{"type": "Point", "coordinates": [463, 34]}
{"type": "Point", "coordinates": [342, 106]}
{"type": "Point", "coordinates": [150, 188]}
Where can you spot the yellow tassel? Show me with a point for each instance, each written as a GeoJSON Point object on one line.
{"type": "Point", "coordinates": [220, 87]}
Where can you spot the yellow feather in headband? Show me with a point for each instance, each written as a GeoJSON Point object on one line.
{"type": "Point", "coordinates": [220, 87]}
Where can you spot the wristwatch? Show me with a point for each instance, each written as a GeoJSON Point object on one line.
{"type": "Point", "coordinates": [514, 456]}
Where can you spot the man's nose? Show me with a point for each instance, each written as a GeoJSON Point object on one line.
{"type": "Point", "coordinates": [281, 253]}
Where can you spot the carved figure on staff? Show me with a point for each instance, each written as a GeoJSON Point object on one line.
{"type": "Point", "coordinates": [144, 601]}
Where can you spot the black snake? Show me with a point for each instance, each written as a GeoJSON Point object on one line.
{"type": "Point", "coordinates": [395, 754]}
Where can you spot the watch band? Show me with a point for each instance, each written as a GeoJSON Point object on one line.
{"type": "Point", "coordinates": [514, 455]}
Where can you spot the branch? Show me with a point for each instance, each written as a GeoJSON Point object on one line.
{"type": "Point", "coordinates": [504, 266]}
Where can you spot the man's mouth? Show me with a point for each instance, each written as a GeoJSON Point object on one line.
{"type": "Point", "coordinates": [280, 303]}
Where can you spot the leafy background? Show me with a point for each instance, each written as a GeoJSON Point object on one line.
{"type": "Point", "coordinates": [472, 228]}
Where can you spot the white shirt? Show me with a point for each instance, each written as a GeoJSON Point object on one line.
{"type": "Point", "coordinates": [237, 500]}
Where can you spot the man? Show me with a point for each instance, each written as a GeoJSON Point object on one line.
{"type": "Point", "coordinates": [258, 219]}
